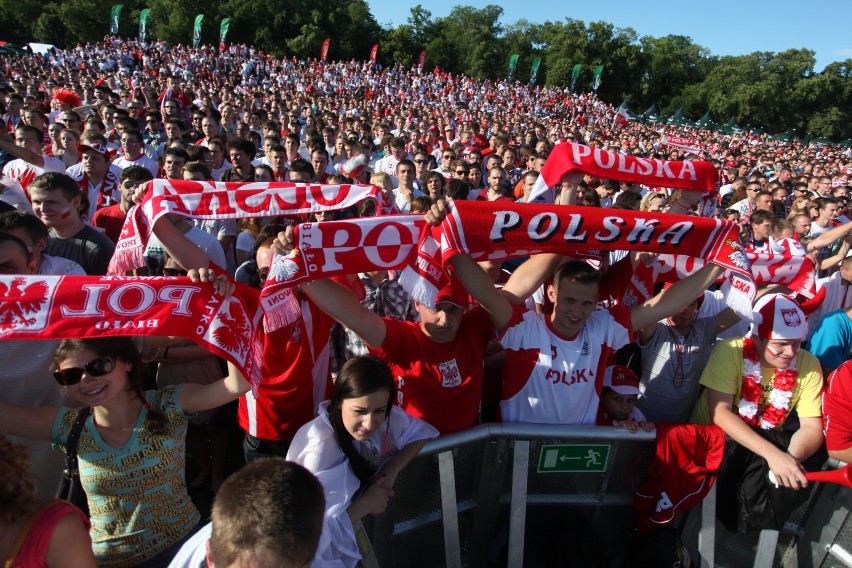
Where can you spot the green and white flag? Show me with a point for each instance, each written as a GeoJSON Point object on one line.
{"type": "Point", "coordinates": [513, 65]}
{"type": "Point", "coordinates": [143, 24]}
{"type": "Point", "coordinates": [196, 30]}
{"type": "Point", "coordinates": [534, 70]}
{"type": "Point", "coordinates": [115, 13]}
{"type": "Point", "coordinates": [575, 74]}
{"type": "Point", "coordinates": [596, 82]}
{"type": "Point", "coordinates": [223, 32]}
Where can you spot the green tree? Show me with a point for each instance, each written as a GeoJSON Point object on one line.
{"type": "Point", "coordinates": [671, 63]}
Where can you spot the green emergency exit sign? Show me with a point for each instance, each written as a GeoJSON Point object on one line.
{"type": "Point", "coordinates": [589, 458]}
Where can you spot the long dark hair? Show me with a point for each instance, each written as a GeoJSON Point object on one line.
{"type": "Point", "coordinates": [123, 349]}
{"type": "Point", "coordinates": [360, 376]}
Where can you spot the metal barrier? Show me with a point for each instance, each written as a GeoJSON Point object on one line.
{"type": "Point", "coordinates": [485, 492]}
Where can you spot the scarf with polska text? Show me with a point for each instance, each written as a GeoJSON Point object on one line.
{"type": "Point", "coordinates": [67, 307]}
{"type": "Point", "coordinates": [207, 200]}
{"type": "Point", "coordinates": [798, 273]}
{"type": "Point", "coordinates": [500, 231]}
{"type": "Point", "coordinates": [569, 157]}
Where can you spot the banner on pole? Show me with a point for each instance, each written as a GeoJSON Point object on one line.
{"type": "Point", "coordinates": [143, 24]}
{"type": "Point", "coordinates": [196, 30]}
{"type": "Point", "coordinates": [115, 14]}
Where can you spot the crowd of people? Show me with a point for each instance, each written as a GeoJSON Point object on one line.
{"type": "Point", "coordinates": [549, 340]}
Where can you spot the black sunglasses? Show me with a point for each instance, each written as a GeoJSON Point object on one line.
{"type": "Point", "coordinates": [72, 375]}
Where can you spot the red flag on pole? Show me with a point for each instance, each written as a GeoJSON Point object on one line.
{"type": "Point", "coordinates": [374, 52]}
{"type": "Point", "coordinates": [324, 52]}
{"type": "Point", "coordinates": [421, 62]}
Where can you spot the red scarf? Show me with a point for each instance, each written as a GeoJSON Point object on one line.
{"type": "Point", "coordinates": [694, 175]}
{"type": "Point", "coordinates": [795, 272]}
{"type": "Point", "coordinates": [60, 307]}
{"type": "Point", "coordinates": [109, 188]}
{"type": "Point", "coordinates": [498, 231]}
{"type": "Point", "coordinates": [203, 200]}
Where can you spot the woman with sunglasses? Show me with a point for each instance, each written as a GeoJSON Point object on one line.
{"type": "Point", "coordinates": [356, 447]}
{"type": "Point", "coordinates": [131, 447]}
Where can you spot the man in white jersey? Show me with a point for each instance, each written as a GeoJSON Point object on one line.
{"type": "Point", "coordinates": [555, 364]}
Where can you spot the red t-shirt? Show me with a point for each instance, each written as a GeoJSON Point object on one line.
{"type": "Point", "coordinates": [294, 377]}
{"type": "Point", "coordinates": [837, 409]}
{"type": "Point", "coordinates": [111, 220]}
{"type": "Point", "coordinates": [439, 382]}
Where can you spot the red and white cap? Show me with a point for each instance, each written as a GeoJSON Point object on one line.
{"type": "Point", "coordinates": [95, 147]}
{"type": "Point", "coordinates": [621, 379]}
{"type": "Point", "coordinates": [354, 166]}
{"type": "Point", "coordinates": [777, 316]}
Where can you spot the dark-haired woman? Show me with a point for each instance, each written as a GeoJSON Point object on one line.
{"type": "Point", "coordinates": [356, 447]}
{"type": "Point", "coordinates": [131, 447]}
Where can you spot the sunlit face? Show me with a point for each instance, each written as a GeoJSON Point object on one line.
{"type": "Point", "coordinates": [405, 173]}
{"type": "Point", "coordinates": [131, 146]}
{"type": "Point", "coordinates": [474, 176]}
{"type": "Point", "coordinates": [829, 212]}
{"type": "Point", "coordinates": [573, 304]}
{"type": "Point", "coordinates": [94, 164]}
{"type": "Point", "coordinates": [209, 127]}
{"type": "Point", "coordinates": [761, 230]}
{"type": "Point", "coordinates": [776, 353]}
{"type": "Point", "coordinates": [617, 405]}
{"type": "Point", "coordinates": [96, 391]}
{"type": "Point", "coordinates": [802, 225]}
{"type": "Point", "coordinates": [173, 166]}
{"type": "Point", "coordinates": [68, 140]}
{"type": "Point", "coordinates": [764, 202]}
{"type": "Point", "coordinates": [496, 180]}
{"type": "Point", "coordinates": [319, 162]}
{"type": "Point", "coordinates": [240, 159]}
{"type": "Point", "coordinates": [363, 416]}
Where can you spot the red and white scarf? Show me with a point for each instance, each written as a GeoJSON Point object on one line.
{"type": "Point", "coordinates": [499, 231]}
{"type": "Point", "coordinates": [204, 200]}
{"type": "Point", "coordinates": [694, 175]}
{"type": "Point", "coordinates": [60, 307]}
{"type": "Point", "coordinates": [109, 191]}
{"type": "Point", "coordinates": [795, 272]}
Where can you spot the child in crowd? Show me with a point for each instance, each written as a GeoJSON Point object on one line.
{"type": "Point", "coordinates": [618, 399]}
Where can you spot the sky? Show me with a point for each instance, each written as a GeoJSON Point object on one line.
{"type": "Point", "coordinates": [728, 28]}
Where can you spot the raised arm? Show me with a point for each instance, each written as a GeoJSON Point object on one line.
{"type": "Point", "coordinates": [829, 237]}
{"type": "Point", "coordinates": [674, 298]}
{"type": "Point", "coordinates": [479, 285]}
{"type": "Point", "coordinates": [341, 304]}
{"type": "Point", "coordinates": [7, 144]}
{"type": "Point", "coordinates": [195, 398]}
{"type": "Point", "coordinates": [188, 254]}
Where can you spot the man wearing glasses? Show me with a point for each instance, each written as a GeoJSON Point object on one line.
{"type": "Point", "coordinates": [445, 169]}
{"type": "Point", "coordinates": [823, 188]}
{"type": "Point", "coordinates": [154, 134]}
{"type": "Point", "coordinates": [746, 206]}
{"type": "Point", "coordinates": [27, 148]}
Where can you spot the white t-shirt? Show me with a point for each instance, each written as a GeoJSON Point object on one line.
{"type": "Point", "coordinates": [551, 379]}
{"type": "Point", "coordinates": [24, 172]}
